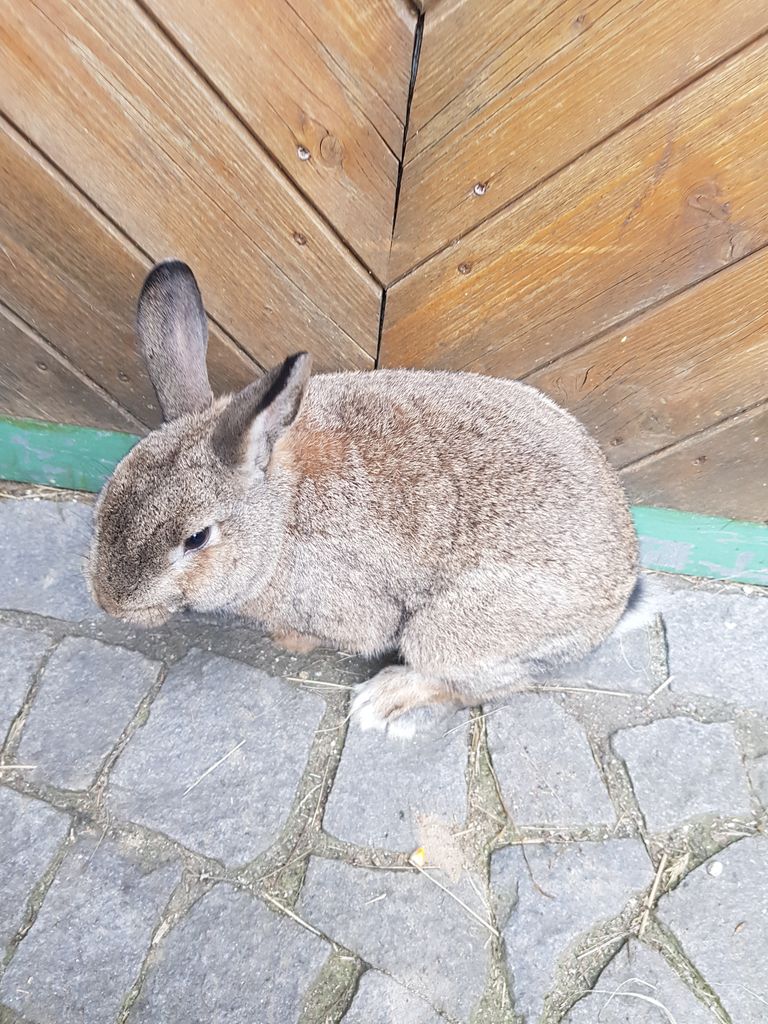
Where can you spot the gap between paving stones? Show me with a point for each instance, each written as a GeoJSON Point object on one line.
{"type": "Point", "coordinates": [189, 890]}
{"type": "Point", "coordinates": [661, 939]}
{"type": "Point", "coordinates": [331, 993]}
{"type": "Point", "coordinates": [10, 743]}
{"type": "Point", "coordinates": [36, 897]}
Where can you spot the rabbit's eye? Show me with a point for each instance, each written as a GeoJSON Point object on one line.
{"type": "Point", "coordinates": [197, 540]}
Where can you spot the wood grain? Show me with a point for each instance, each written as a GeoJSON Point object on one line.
{"type": "Point", "coordinates": [674, 197]}
{"type": "Point", "coordinates": [37, 383]}
{"type": "Point", "coordinates": [429, 5]}
{"type": "Point", "coordinates": [332, 77]}
{"type": "Point", "coordinates": [723, 472]}
{"type": "Point", "coordinates": [101, 90]}
{"type": "Point", "coordinates": [65, 270]}
{"type": "Point", "coordinates": [508, 93]}
{"type": "Point", "coordinates": [372, 41]}
{"type": "Point", "coordinates": [470, 51]}
{"type": "Point", "coordinates": [673, 371]}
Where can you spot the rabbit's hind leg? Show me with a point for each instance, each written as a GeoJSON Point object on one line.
{"type": "Point", "coordinates": [401, 701]}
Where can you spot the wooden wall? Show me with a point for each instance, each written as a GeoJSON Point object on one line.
{"type": "Point", "coordinates": [131, 131]}
{"type": "Point", "coordinates": [584, 206]}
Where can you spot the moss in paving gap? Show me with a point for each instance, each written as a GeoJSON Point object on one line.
{"type": "Point", "coordinates": [486, 817]}
{"type": "Point", "coordinates": [12, 739]}
{"type": "Point", "coordinates": [487, 820]}
{"type": "Point", "coordinates": [36, 897]}
{"type": "Point", "coordinates": [660, 939]}
{"type": "Point", "coordinates": [189, 891]}
{"type": "Point", "coordinates": [332, 991]}
{"type": "Point", "coordinates": [98, 788]}
{"type": "Point", "coordinates": [284, 878]}
{"type": "Point", "coordinates": [491, 828]}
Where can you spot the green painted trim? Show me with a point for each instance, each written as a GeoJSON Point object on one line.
{"type": "Point", "coordinates": [81, 459]}
{"type": "Point", "coordinates": [76, 458]}
{"type": "Point", "coordinates": [695, 545]}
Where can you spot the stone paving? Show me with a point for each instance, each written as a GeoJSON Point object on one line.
{"type": "Point", "coordinates": [191, 831]}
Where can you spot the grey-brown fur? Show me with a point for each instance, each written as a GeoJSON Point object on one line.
{"type": "Point", "coordinates": [467, 523]}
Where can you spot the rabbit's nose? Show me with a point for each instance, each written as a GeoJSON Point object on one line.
{"type": "Point", "coordinates": [102, 590]}
{"type": "Point", "coordinates": [102, 597]}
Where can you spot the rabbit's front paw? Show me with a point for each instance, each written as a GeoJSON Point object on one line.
{"type": "Point", "coordinates": [296, 643]}
{"type": "Point", "coordinates": [400, 702]}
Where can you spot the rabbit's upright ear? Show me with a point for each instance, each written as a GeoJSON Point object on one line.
{"type": "Point", "coordinates": [256, 417]}
{"type": "Point", "coordinates": [173, 337]}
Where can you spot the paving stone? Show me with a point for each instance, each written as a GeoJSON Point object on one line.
{"type": "Point", "coordinates": [623, 992]}
{"type": "Point", "coordinates": [758, 776]}
{"type": "Point", "coordinates": [30, 834]}
{"type": "Point", "coordinates": [231, 959]}
{"type": "Point", "coordinates": [21, 651]}
{"type": "Point", "coordinates": [206, 708]}
{"type": "Point", "coordinates": [621, 663]}
{"type": "Point", "coordinates": [681, 769]}
{"type": "Point", "coordinates": [383, 791]}
{"type": "Point", "coordinates": [415, 932]}
{"type": "Point", "coordinates": [717, 645]}
{"type": "Point", "coordinates": [545, 766]}
{"type": "Point", "coordinates": [380, 1000]}
{"type": "Point", "coordinates": [721, 919]}
{"type": "Point", "coordinates": [547, 896]}
{"type": "Point", "coordinates": [89, 939]}
{"type": "Point", "coordinates": [88, 693]}
{"type": "Point", "coordinates": [44, 543]}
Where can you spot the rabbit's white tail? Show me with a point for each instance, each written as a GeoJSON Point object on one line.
{"type": "Point", "coordinates": [645, 602]}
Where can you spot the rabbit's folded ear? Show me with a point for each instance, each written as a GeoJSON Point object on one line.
{"type": "Point", "coordinates": [256, 417]}
{"type": "Point", "coordinates": [173, 337]}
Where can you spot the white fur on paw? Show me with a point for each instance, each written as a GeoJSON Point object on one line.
{"type": "Point", "coordinates": [401, 728]}
{"type": "Point", "coordinates": [369, 718]}
{"type": "Point", "coordinates": [363, 711]}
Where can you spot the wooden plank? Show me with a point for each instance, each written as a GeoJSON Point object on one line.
{"type": "Point", "coordinates": [36, 381]}
{"type": "Point", "coordinates": [470, 51]}
{"type": "Point", "coordinates": [675, 370]}
{"type": "Point", "coordinates": [508, 93]}
{"type": "Point", "coordinates": [332, 77]}
{"type": "Point", "coordinates": [723, 471]}
{"type": "Point", "coordinates": [99, 88]}
{"type": "Point", "coordinates": [676, 196]}
{"type": "Point", "coordinates": [65, 270]}
{"type": "Point", "coordinates": [372, 43]}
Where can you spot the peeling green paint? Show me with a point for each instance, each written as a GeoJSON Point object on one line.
{"type": "Point", "coordinates": [81, 459]}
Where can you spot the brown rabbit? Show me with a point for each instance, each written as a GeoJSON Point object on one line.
{"type": "Point", "coordinates": [467, 523]}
